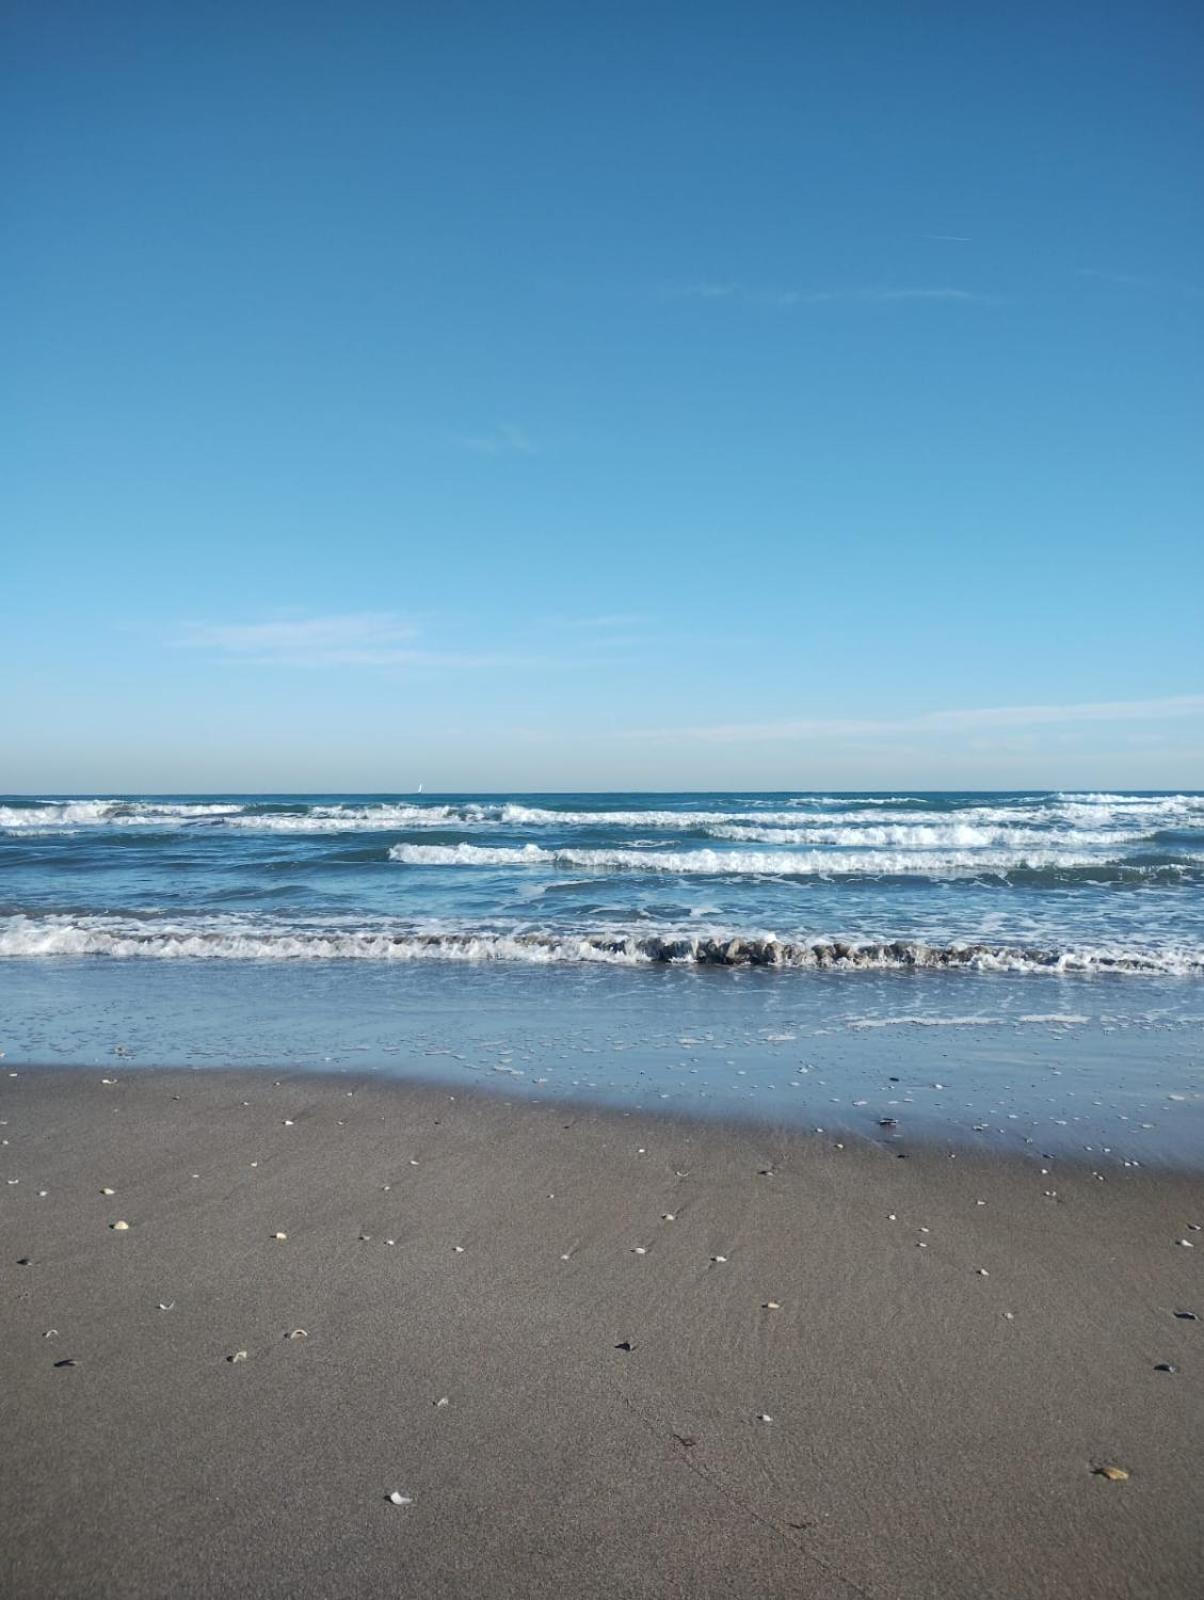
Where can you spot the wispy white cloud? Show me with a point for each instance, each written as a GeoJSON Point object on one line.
{"type": "Point", "coordinates": [787, 299]}
{"type": "Point", "coordinates": [949, 238]}
{"type": "Point", "coordinates": [506, 439]}
{"type": "Point", "coordinates": [1132, 280]}
{"type": "Point", "coordinates": [940, 722]}
{"type": "Point", "coordinates": [608, 621]}
{"type": "Point", "coordinates": [350, 639]}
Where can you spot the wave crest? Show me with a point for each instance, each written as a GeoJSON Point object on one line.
{"type": "Point", "coordinates": [57, 936]}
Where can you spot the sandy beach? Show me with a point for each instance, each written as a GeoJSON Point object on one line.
{"type": "Point", "coordinates": [592, 1353]}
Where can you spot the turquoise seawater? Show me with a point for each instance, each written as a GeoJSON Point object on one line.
{"type": "Point", "coordinates": [579, 943]}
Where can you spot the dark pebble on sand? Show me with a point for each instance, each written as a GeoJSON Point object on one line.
{"type": "Point", "coordinates": [1164, 1366]}
{"type": "Point", "coordinates": [625, 1344]}
{"type": "Point", "coordinates": [25, 1261]}
{"type": "Point", "coordinates": [69, 1361]}
{"type": "Point", "coordinates": [1187, 1316]}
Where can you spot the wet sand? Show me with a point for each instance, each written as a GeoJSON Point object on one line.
{"type": "Point", "coordinates": [787, 1393]}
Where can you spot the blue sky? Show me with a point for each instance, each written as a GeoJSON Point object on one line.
{"type": "Point", "coordinates": [537, 396]}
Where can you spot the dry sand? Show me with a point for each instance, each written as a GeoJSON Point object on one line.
{"type": "Point", "coordinates": [604, 1431]}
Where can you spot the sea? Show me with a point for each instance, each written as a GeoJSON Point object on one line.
{"type": "Point", "coordinates": [820, 959]}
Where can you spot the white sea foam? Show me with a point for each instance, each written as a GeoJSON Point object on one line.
{"type": "Point", "coordinates": [357, 819]}
{"type": "Point", "coordinates": [928, 1022]}
{"type": "Point", "coordinates": [233, 938]}
{"type": "Point", "coordinates": [1001, 1021]}
{"type": "Point", "coordinates": [110, 813]}
{"type": "Point", "coordinates": [1088, 818]}
{"type": "Point", "coordinates": [920, 836]}
{"type": "Point", "coordinates": [742, 863]}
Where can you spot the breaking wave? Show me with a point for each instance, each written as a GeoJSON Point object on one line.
{"type": "Point", "coordinates": [24, 936]}
{"type": "Point", "coordinates": [779, 864]}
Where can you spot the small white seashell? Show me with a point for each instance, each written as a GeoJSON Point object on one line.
{"type": "Point", "coordinates": [108, 1191]}
{"type": "Point", "coordinates": [298, 1333]}
{"type": "Point", "coordinates": [982, 1272]}
{"type": "Point", "coordinates": [639, 1250]}
{"type": "Point", "coordinates": [459, 1249]}
{"type": "Point", "coordinates": [280, 1236]}
{"type": "Point", "coordinates": [718, 1258]}
{"type": "Point", "coordinates": [239, 1355]}
{"type": "Point", "coordinates": [390, 1241]}
{"type": "Point", "coordinates": [120, 1227]}
{"type": "Point", "coordinates": [763, 1416]}
{"type": "Point", "coordinates": [167, 1305]}
{"type": "Point", "coordinates": [772, 1305]}
{"type": "Point", "coordinates": [288, 1122]}
{"type": "Point", "coordinates": [399, 1499]}
{"type": "Point", "coordinates": [1187, 1244]}
{"type": "Point", "coordinates": [442, 1401]}
{"type": "Point", "coordinates": [669, 1216]}
{"type": "Point", "coordinates": [891, 1217]}
{"type": "Point", "coordinates": [1009, 1316]}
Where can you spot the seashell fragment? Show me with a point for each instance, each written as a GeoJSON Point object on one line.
{"type": "Point", "coordinates": [239, 1355]}
{"type": "Point", "coordinates": [120, 1227]}
{"type": "Point", "coordinates": [396, 1498]}
{"type": "Point", "coordinates": [1113, 1474]}
{"type": "Point", "coordinates": [280, 1236]}
{"type": "Point", "coordinates": [298, 1333]}
{"type": "Point", "coordinates": [772, 1305]}
{"type": "Point", "coordinates": [108, 1191]}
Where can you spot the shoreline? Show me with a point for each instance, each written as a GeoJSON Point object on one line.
{"type": "Point", "coordinates": [915, 1425]}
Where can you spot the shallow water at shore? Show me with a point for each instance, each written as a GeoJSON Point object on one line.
{"type": "Point", "coordinates": [1112, 1070]}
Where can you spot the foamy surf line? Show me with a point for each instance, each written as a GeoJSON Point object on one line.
{"type": "Point", "coordinates": [1118, 817]}
{"type": "Point", "coordinates": [768, 864]}
{"type": "Point", "coordinates": [32, 938]}
{"type": "Point", "coordinates": [1054, 1019]}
